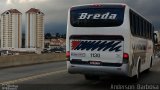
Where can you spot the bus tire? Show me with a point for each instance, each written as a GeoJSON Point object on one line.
{"type": "Point", "coordinates": [138, 70]}
{"type": "Point", "coordinates": [147, 70]}
{"type": "Point", "coordinates": [91, 77]}
{"type": "Point", "coordinates": [135, 78]}
{"type": "Point", "coordinates": [151, 62]}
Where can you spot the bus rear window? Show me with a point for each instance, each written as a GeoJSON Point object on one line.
{"type": "Point", "coordinates": [102, 16]}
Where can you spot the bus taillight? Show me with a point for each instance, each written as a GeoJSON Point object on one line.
{"type": "Point", "coordinates": [125, 58]}
{"type": "Point", "coordinates": [67, 55]}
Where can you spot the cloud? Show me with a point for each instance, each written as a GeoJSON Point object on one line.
{"type": "Point", "coordinates": [56, 10]}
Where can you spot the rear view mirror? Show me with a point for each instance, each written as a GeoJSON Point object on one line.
{"type": "Point", "coordinates": [155, 39]}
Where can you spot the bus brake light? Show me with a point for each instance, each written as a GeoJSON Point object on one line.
{"type": "Point", "coordinates": [125, 56]}
{"type": "Point", "coordinates": [68, 54]}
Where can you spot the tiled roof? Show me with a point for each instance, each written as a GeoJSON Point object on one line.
{"type": "Point", "coordinates": [12, 11]}
{"type": "Point", "coordinates": [33, 10]}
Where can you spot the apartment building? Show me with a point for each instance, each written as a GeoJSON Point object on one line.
{"type": "Point", "coordinates": [34, 29]}
{"type": "Point", "coordinates": [10, 33]}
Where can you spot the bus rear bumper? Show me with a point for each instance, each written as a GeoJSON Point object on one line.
{"type": "Point", "coordinates": [97, 70]}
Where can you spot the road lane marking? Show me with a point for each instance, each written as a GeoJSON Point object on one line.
{"type": "Point", "coordinates": [32, 77]}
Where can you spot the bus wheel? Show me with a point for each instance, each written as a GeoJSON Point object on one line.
{"type": "Point", "coordinates": [147, 70]}
{"type": "Point", "coordinates": [135, 78]}
{"type": "Point", "coordinates": [91, 77]}
{"type": "Point", "coordinates": [151, 63]}
{"type": "Point", "coordinates": [138, 70]}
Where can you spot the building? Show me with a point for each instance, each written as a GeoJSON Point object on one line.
{"type": "Point", "coordinates": [0, 33]}
{"type": "Point", "coordinates": [11, 21]}
{"type": "Point", "coordinates": [57, 43]}
{"type": "Point", "coordinates": [34, 29]}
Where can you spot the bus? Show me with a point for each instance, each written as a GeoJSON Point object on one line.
{"type": "Point", "coordinates": [156, 37]}
{"type": "Point", "coordinates": [157, 43]}
{"type": "Point", "coordinates": [108, 39]}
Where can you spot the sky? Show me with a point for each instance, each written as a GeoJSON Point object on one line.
{"type": "Point", "coordinates": [56, 10]}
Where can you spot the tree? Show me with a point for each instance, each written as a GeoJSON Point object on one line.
{"type": "Point", "coordinates": [63, 36]}
{"type": "Point", "coordinates": [48, 36]}
{"type": "Point", "coordinates": [57, 35]}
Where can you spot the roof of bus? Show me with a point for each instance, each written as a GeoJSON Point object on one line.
{"type": "Point", "coordinates": [100, 4]}
{"type": "Point", "coordinates": [123, 4]}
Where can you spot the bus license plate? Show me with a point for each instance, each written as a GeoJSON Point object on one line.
{"type": "Point", "coordinates": [95, 63]}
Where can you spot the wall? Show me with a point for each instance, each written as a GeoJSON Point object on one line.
{"type": "Point", "coordinates": [19, 60]}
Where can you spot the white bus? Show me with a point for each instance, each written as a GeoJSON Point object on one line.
{"type": "Point", "coordinates": [107, 39]}
{"type": "Point", "coordinates": [157, 37]}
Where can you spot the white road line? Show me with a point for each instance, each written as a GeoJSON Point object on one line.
{"type": "Point", "coordinates": [31, 77]}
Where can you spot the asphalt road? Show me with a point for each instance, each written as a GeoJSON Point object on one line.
{"type": "Point", "coordinates": [54, 76]}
